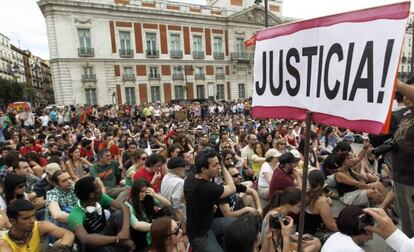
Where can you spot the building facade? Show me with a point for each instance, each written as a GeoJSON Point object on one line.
{"type": "Point", "coordinates": [11, 61]}
{"type": "Point", "coordinates": [405, 67]}
{"type": "Point", "coordinates": [133, 51]}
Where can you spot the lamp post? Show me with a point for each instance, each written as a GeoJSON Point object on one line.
{"type": "Point", "coordinates": [257, 2]}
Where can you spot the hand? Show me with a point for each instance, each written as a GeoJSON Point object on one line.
{"type": "Point", "coordinates": [156, 177]}
{"type": "Point", "coordinates": [385, 227]}
{"type": "Point", "coordinates": [260, 211]}
{"type": "Point", "coordinates": [251, 210]}
{"type": "Point", "coordinates": [287, 229]}
{"type": "Point", "coordinates": [122, 236]}
{"type": "Point", "coordinates": [150, 191]}
{"type": "Point", "coordinates": [128, 243]}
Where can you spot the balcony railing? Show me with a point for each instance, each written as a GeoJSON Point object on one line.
{"type": "Point", "coordinates": [218, 55]}
{"type": "Point", "coordinates": [174, 54]}
{"type": "Point", "coordinates": [126, 53]}
{"type": "Point", "coordinates": [154, 77]}
{"type": "Point", "coordinates": [89, 77]}
{"type": "Point", "coordinates": [200, 76]}
{"type": "Point", "coordinates": [220, 76]}
{"type": "Point", "coordinates": [198, 55]}
{"type": "Point", "coordinates": [128, 77]}
{"type": "Point", "coordinates": [241, 56]}
{"type": "Point", "coordinates": [152, 53]}
{"type": "Point", "coordinates": [178, 76]}
{"type": "Point", "coordinates": [86, 52]}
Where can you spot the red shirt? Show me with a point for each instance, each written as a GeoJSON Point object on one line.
{"type": "Point", "coordinates": [142, 173]}
{"type": "Point", "coordinates": [280, 181]}
{"type": "Point", "coordinates": [115, 151]}
{"type": "Point", "coordinates": [36, 148]}
{"type": "Point", "coordinates": [86, 153]}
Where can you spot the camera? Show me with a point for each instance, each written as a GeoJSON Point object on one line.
{"type": "Point", "coordinates": [364, 220]}
{"type": "Point", "coordinates": [274, 221]}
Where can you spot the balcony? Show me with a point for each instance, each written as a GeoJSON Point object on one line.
{"type": "Point", "coordinates": [218, 55]}
{"type": "Point", "coordinates": [128, 77]}
{"type": "Point", "coordinates": [178, 76]}
{"type": "Point", "coordinates": [200, 76]}
{"type": "Point", "coordinates": [241, 56]}
{"type": "Point", "coordinates": [174, 54]}
{"type": "Point", "coordinates": [156, 76]}
{"type": "Point", "coordinates": [220, 76]}
{"type": "Point", "coordinates": [89, 77]}
{"type": "Point", "coordinates": [126, 53]}
{"type": "Point", "coordinates": [86, 52]}
{"type": "Point", "coordinates": [198, 55]}
{"type": "Point", "coordinates": [152, 53]}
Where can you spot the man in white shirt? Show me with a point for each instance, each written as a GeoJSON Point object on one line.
{"type": "Point", "coordinates": [385, 228]}
{"type": "Point", "coordinates": [350, 235]}
{"type": "Point", "coordinates": [173, 183]}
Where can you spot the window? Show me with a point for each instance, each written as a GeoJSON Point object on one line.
{"type": "Point", "coordinates": [88, 70]}
{"type": "Point", "coordinates": [130, 95]}
{"type": "Point", "coordinates": [199, 70]}
{"type": "Point", "coordinates": [219, 70]}
{"type": "Point", "coordinates": [178, 70]}
{"type": "Point", "coordinates": [151, 41]}
{"type": "Point", "coordinates": [218, 44]}
{"type": "Point", "coordinates": [242, 91]}
{"type": "Point", "coordinates": [90, 96]}
{"type": "Point", "coordinates": [175, 42]}
{"type": "Point", "coordinates": [239, 45]}
{"type": "Point", "coordinates": [128, 70]}
{"type": "Point", "coordinates": [153, 72]}
{"type": "Point", "coordinates": [179, 92]}
{"type": "Point", "coordinates": [220, 91]}
{"type": "Point", "coordinates": [125, 40]}
{"type": "Point", "coordinates": [155, 94]}
{"type": "Point", "coordinates": [197, 44]}
{"type": "Point", "coordinates": [200, 92]}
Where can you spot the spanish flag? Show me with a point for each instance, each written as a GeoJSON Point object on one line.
{"type": "Point", "coordinates": [251, 41]}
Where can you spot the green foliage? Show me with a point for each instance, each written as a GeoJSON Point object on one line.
{"type": "Point", "coordinates": [11, 91]}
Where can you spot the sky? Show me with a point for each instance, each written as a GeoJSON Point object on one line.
{"type": "Point", "coordinates": [23, 22]}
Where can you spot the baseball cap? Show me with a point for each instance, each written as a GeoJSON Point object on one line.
{"type": "Point", "coordinates": [287, 158]}
{"type": "Point", "coordinates": [52, 168]}
{"type": "Point", "coordinates": [272, 153]}
{"type": "Point", "coordinates": [296, 154]}
{"type": "Point", "coordinates": [176, 162]}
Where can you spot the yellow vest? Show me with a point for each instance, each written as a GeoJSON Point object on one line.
{"type": "Point", "coordinates": [32, 246]}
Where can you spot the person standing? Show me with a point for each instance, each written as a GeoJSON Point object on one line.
{"type": "Point", "coordinates": [201, 195]}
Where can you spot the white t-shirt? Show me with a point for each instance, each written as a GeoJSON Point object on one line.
{"type": "Point", "coordinates": [45, 120]}
{"type": "Point", "coordinates": [262, 180]}
{"type": "Point", "coordinates": [339, 242]}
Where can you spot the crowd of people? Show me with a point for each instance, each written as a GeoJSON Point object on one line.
{"type": "Point", "coordinates": [198, 177]}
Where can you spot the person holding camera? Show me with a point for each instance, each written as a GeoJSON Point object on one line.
{"type": "Point", "coordinates": [279, 223]}
{"type": "Point", "coordinates": [351, 233]}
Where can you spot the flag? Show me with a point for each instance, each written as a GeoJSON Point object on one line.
{"type": "Point", "coordinates": [251, 41]}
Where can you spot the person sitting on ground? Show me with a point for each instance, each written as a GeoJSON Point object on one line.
{"type": "Point", "coordinates": [244, 200]}
{"type": "Point", "coordinates": [143, 204]}
{"type": "Point", "coordinates": [349, 236]}
{"type": "Point", "coordinates": [22, 168]}
{"type": "Point", "coordinates": [138, 159]}
{"type": "Point", "coordinates": [266, 173]}
{"type": "Point", "coordinates": [166, 236]}
{"type": "Point", "coordinates": [318, 214]}
{"type": "Point", "coordinates": [242, 235]}
{"type": "Point", "coordinates": [76, 165]}
{"type": "Point", "coordinates": [88, 219]}
{"type": "Point", "coordinates": [172, 186]}
{"type": "Point", "coordinates": [258, 158]}
{"type": "Point", "coordinates": [61, 199]}
{"type": "Point", "coordinates": [351, 187]}
{"type": "Point", "coordinates": [152, 171]}
{"type": "Point", "coordinates": [283, 203]}
{"type": "Point", "coordinates": [26, 233]}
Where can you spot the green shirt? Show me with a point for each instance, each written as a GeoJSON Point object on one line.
{"type": "Point", "coordinates": [78, 214]}
{"type": "Point", "coordinates": [107, 173]}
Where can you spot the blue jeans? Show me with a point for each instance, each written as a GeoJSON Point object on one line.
{"type": "Point", "coordinates": [208, 242]}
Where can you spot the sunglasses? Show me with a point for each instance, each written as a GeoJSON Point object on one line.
{"type": "Point", "coordinates": [144, 158]}
{"type": "Point", "coordinates": [229, 158]}
{"type": "Point", "coordinates": [176, 231]}
{"type": "Point", "coordinates": [235, 175]}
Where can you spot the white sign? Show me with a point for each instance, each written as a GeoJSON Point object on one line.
{"type": "Point", "coordinates": [342, 68]}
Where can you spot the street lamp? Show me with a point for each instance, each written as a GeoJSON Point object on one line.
{"type": "Point", "coordinates": [257, 2]}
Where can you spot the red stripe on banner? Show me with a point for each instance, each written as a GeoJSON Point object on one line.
{"type": "Point", "coordinates": [292, 113]}
{"type": "Point", "coordinates": [392, 11]}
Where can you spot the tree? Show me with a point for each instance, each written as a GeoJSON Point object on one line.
{"type": "Point", "coordinates": [11, 91]}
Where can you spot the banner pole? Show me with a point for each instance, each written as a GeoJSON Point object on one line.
{"type": "Point", "coordinates": [304, 179]}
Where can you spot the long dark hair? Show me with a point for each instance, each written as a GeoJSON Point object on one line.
{"type": "Point", "coordinates": [159, 230]}
{"type": "Point", "coordinates": [316, 183]}
{"type": "Point", "coordinates": [146, 207]}
{"type": "Point", "coordinates": [290, 195]}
